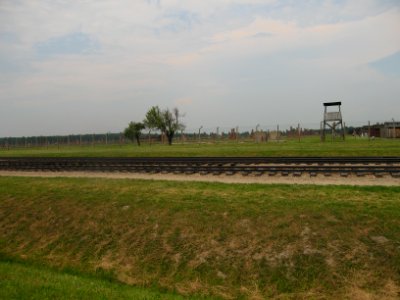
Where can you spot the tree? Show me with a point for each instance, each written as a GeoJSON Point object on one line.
{"type": "Point", "coordinates": [168, 122]}
{"type": "Point", "coordinates": [153, 120]}
{"type": "Point", "coordinates": [134, 131]}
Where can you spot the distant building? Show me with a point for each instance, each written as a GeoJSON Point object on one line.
{"type": "Point", "coordinates": [390, 130]}
{"type": "Point", "coordinates": [385, 130]}
{"type": "Point", "coordinates": [375, 130]}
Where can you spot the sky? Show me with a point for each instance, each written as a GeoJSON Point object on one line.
{"type": "Point", "coordinates": [92, 66]}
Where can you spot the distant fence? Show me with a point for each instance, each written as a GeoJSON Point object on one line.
{"type": "Point", "coordinates": [119, 139]}
{"type": "Point", "coordinates": [52, 141]}
{"type": "Point", "coordinates": [256, 134]}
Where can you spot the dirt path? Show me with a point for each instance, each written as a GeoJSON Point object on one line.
{"type": "Point", "coordinates": [265, 179]}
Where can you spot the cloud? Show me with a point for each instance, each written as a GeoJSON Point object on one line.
{"type": "Point", "coordinates": [331, 45]}
{"type": "Point", "coordinates": [262, 35]}
{"type": "Point", "coordinates": [260, 24]}
{"type": "Point", "coordinates": [183, 101]}
{"type": "Point", "coordinates": [177, 21]}
{"type": "Point", "coordinates": [73, 43]}
{"type": "Point", "coordinates": [184, 59]}
{"type": "Point", "coordinates": [233, 57]}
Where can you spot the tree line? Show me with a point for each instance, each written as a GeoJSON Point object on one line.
{"type": "Point", "coordinates": [167, 121]}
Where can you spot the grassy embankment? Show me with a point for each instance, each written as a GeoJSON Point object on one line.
{"type": "Point", "coordinates": [230, 241]}
{"type": "Point", "coordinates": [310, 146]}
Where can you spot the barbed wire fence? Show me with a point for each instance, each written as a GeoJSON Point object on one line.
{"type": "Point", "coordinates": [256, 133]}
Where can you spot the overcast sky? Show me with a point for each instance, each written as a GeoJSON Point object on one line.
{"type": "Point", "coordinates": [92, 66]}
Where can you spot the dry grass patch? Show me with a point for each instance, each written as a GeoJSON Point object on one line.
{"type": "Point", "coordinates": [229, 241]}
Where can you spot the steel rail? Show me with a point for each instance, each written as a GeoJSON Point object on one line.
{"type": "Point", "coordinates": [185, 160]}
{"type": "Point", "coordinates": [297, 166]}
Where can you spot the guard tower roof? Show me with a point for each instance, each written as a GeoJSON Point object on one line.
{"type": "Point", "coordinates": [332, 103]}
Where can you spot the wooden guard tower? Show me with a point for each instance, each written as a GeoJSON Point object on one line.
{"type": "Point", "coordinates": [331, 120]}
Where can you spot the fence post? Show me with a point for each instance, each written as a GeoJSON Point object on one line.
{"type": "Point", "coordinates": [394, 128]}
{"type": "Point", "coordinates": [277, 133]}
{"type": "Point", "coordinates": [369, 130]}
{"type": "Point", "coordinates": [299, 131]}
{"type": "Point", "coordinates": [199, 132]}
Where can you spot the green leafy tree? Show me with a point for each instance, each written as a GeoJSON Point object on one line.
{"type": "Point", "coordinates": [152, 120]}
{"type": "Point", "coordinates": [168, 122]}
{"type": "Point", "coordinates": [134, 131]}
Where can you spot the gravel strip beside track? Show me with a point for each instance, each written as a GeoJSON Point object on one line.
{"type": "Point", "coordinates": [304, 179]}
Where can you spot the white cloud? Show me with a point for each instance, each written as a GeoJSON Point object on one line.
{"type": "Point", "coordinates": [352, 43]}
{"type": "Point", "coordinates": [151, 52]}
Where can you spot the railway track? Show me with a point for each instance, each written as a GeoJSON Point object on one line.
{"type": "Point", "coordinates": [296, 166]}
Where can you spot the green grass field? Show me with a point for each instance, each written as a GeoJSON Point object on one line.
{"type": "Point", "coordinates": [310, 146]}
{"type": "Point", "coordinates": [26, 281]}
{"type": "Point", "coordinates": [204, 239]}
